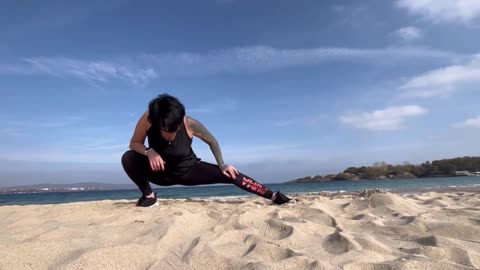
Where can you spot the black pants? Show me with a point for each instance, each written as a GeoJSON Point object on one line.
{"type": "Point", "coordinates": [138, 169]}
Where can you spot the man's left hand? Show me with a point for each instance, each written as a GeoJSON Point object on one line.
{"type": "Point", "coordinates": [230, 171]}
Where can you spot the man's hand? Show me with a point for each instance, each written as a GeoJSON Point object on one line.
{"type": "Point", "coordinates": [156, 161]}
{"type": "Point", "coordinates": [229, 171]}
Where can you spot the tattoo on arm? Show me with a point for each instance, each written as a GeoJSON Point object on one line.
{"type": "Point", "coordinates": [202, 132]}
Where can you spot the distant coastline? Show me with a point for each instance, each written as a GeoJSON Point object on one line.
{"type": "Point", "coordinates": [333, 177]}
{"type": "Point", "coordinates": [76, 187]}
{"type": "Point", "coordinates": [461, 166]}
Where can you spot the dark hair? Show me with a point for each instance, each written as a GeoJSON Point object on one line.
{"type": "Point", "coordinates": [166, 111]}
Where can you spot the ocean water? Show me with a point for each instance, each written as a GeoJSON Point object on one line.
{"type": "Point", "coordinates": [225, 191]}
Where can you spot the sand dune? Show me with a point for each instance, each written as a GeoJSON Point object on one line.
{"type": "Point", "coordinates": [371, 230]}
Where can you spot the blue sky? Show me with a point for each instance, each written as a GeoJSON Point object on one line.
{"type": "Point", "coordinates": [288, 88]}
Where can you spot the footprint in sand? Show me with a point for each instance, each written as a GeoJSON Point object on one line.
{"type": "Point", "coordinates": [214, 215]}
{"type": "Point", "coordinates": [452, 254]}
{"type": "Point", "coordinates": [317, 216]}
{"type": "Point", "coordinates": [254, 266]}
{"type": "Point", "coordinates": [68, 258]}
{"type": "Point", "coordinates": [338, 243]}
{"type": "Point", "coordinates": [293, 219]}
{"type": "Point", "coordinates": [277, 230]}
{"type": "Point", "coordinates": [188, 249]}
{"type": "Point", "coordinates": [270, 252]}
{"type": "Point", "coordinates": [428, 241]}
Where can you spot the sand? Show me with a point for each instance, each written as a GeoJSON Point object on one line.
{"type": "Point", "coordinates": [371, 230]}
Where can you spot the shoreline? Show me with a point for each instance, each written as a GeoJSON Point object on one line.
{"type": "Point", "coordinates": [80, 188]}
{"type": "Point", "coordinates": [471, 189]}
{"type": "Point", "coordinates": [442, 190]}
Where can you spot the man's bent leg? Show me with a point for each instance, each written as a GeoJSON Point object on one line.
{"type": "Point", "coordinates": [137, 168]}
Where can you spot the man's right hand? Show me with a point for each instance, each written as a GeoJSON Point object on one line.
{"type": "Point", "coordinates": [156, 161]}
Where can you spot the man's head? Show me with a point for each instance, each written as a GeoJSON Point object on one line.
{"type": "Point", "coordinates": [167, 112]}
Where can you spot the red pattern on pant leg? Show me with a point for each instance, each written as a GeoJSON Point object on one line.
{"type": "Point", "coordinates": [246, 181]}
{"type": "Point", "coordinates": [254, 186]}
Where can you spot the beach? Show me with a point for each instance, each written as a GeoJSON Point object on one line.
{"type": "Point", "coordinates": [428, 229]}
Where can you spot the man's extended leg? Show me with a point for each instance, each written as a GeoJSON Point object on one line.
{"type": "Point", "coordinates": [204, 173]}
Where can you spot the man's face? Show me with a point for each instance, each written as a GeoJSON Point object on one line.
{"type": "Point", "coordinates": [169, 136]}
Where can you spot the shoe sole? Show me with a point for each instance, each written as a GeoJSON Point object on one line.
{"type": "Point", "coordinates": [155, 204]}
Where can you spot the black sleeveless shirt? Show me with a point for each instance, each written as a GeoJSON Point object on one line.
{"type": "Point", "coordinates": [178, 154]}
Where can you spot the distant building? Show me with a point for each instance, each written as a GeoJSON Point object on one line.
{"type": "Point", "coordinates": [76, 188]}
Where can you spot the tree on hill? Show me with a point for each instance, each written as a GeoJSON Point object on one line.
{"type": "Point", "coordinates": [447, 167]}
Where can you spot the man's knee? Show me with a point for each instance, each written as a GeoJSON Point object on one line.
{"type": "Point", "coordinates": [128, 158]}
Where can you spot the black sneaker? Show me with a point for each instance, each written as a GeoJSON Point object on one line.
{"type": "Point", "coordinates": [280, 198]}
{"type": "Point", "coordinates": [147, 202]}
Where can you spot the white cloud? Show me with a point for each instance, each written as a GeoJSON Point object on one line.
{"type": "Point", "coordinates": [92, 71]}
{"type": "Point", "coordinates": [443, 81]}
{"type": "Point", "coordinates": [19, 69]}
{"type": "Point", "coordinates": [409, 33]}
{"type": "Point", "coordinates": [263, 58]}
{"type": "Point", "coordinates": [141, 69]}
{"type": "Point", "coordinates": [443, 10]}
{"type": "Point", "coordinates": [390, 118]}
{"type": "Point", "coordinates": [472, 122]}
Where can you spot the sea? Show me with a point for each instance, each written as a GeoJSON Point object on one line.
{"type": "Point", "coordinates": [232, 191]}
